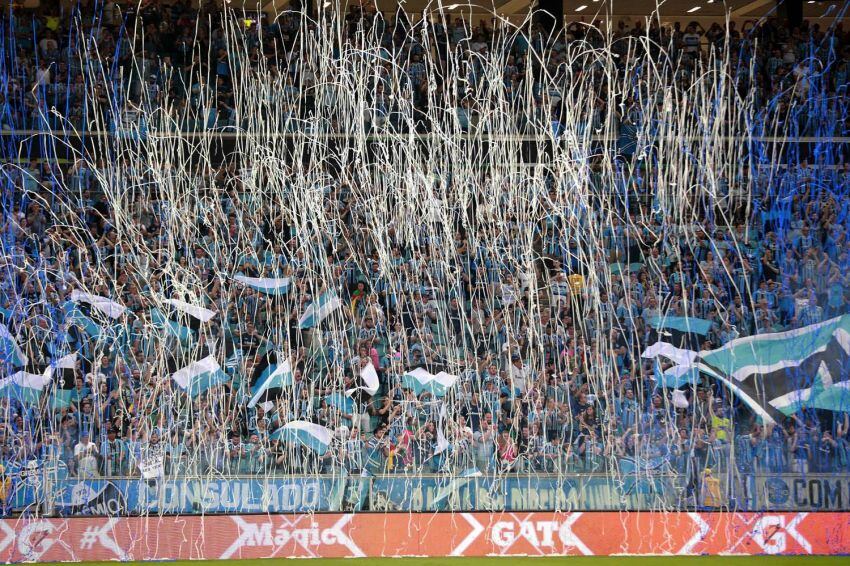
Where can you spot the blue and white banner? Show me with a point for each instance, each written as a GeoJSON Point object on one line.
{"type": "Point", "coordinates": [420, 380]}
{"type": "Point", "coordinates": [793, 492]}
{"type": "Point", "coordinates": [464, 492]}
{"type": "Point", "coordinates": [25, 387]}
{"type": "Point", "coordinates": [519, 493]}
{"type": "Point", "coordinates": [195, 495]}
{"type": "Point", "coordinates": [10, 352]}
{"type": "Point", "coordinates": [99, 498]}
{"type": "Point", "coordinates": [319, 310]}
{"type": "Point", "coordinates": [267, 285]}
{"type": "Point", "coordinates": [105, 306]}
{"type": "Point", "coordinates": [315, 437]}
{"type": "Point", "coordinates": [200, 313]}
{"type": "Point", "coordinates": [74, 315]}
{"type": "Point", "coordinates": [200, 376]}
{"type": "Point", "coordinates": [271, 376]}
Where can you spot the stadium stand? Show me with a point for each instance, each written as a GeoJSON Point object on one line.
{"type": "Point", "coordinates": [523, 401]}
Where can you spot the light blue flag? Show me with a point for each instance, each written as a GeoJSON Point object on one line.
{"type": "Point", "coordinates": [25, 387]}
{"type": "Point", "coordinates": [200, 376]}
{"type": "Point", "coordinates": [267, 285]}
{"type": "Point", "coordinates": [75, 315]}
{"type": "Point", "coordinates": [684, 324]}
{"type": "Point", "coordinates": [200, 314]}
{"type": "Point", "coordinates": [319, 310]}
{"type": "Point", "coordinates": [657, 375]}
{"type": "Point", "coordinates": [778, 374]}
{"type": "Point", "coordinates": [61, 399]}
{"type": "Point", "coordinates": [676, 376]}
{"type": "Point", "coordinates": [103, 305]}
{"type": "Point", "coordinates": [315, 437]}
{"type": "Point", "coordinates": [420, 380]}
{"type": "Point", "coordinates": [10, 352]}
{"type": "Point", "coordinates": [342, 402]}
{"type": "Point", "coordinates": [159, 320]}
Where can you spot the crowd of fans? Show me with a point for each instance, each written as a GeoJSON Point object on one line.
{"type": "Point", "coordinates": [136, 56]}
{"type": "Point", "coordinates": [525, 400]}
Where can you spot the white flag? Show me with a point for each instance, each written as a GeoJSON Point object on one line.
{"type": "Point", "coordinates": [106, 306]}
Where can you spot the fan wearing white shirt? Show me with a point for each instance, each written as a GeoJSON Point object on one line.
{"type": "Point", "coordinates": [86, 453]}
{"type": "Point", "coordinates": [520, 375]}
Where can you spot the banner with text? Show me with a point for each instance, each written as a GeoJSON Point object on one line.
{"type": "Point", "coordinates": [425, 534]}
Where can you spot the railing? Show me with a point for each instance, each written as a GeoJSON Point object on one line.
{"type": "Point", "coordinates": [232, 135]}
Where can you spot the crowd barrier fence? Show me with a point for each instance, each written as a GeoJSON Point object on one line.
{"type": "Point", "coordinates": [40, 495]}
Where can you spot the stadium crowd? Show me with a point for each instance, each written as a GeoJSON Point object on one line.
{"type": "Point", "coordinates": [515, 408]}
{"type": "Point", "coordinates": [152, 51]}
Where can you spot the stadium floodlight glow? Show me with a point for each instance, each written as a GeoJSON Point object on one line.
{"type": "Point", "coordinates": [582, 7]}
{"type": "Point", "coordinates": [694, 9]}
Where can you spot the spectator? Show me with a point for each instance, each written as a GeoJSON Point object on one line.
{"type": "Point", "coordinates": [86, 455]}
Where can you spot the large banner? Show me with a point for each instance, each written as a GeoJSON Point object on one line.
{"type": "Point", "coordinates": [187, 496]}
{"type": "Point", "coordinates": [810, 492]}
{"type": "Point", "coordinates": [117, 497]}
{"type": "Point", "coordinates": [521, 493]}
{"type": "Point", "coordinates": [403, 534]}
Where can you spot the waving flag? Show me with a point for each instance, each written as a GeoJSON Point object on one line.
{"type": "Point", "coordinates": [160, 320]}
{"type": "Point", "coordinates": [341, 402]}
{"type": "Point", "coordinates": [420, 380]}
{"type": "Point", "coordinates": [10, 352]}
{"type": "Point", "coordinates": [319, 310]}
{"type": "Point", "coordinates": [679, 400]}
{"type": "Point", "coordinates": [75, 315]}
{"type": "Point", "coordinates": [32, 380]}
{"type": "Point", "coordinates": [677, 376]}
{"type": "Point", "coordinates": [200, 376]}
{"type": "Point", "coordinates": [804, 368]}
{"type": "Point", "coordinates": [61, 399]}
{"type": "Point", "coordinates": [67, 370]}
{"type": "Point", "coordinates": [181, 319]}
{"type": "Point", "coordinates": [684, 331]}
{"type": "Point", "coordinates": [368, 381]}
{"type": "Point", "coordinates": [25, 387]}
{"type": "Point", "coordinates": [103, 305]}
{"type": "Point", "coordinates": [269, 378]}
{"type": "Point", "coordinates": [671, 352]}
{"type": "Point", "coordinates": [315, 437]}
{"type": "Point", "coordinates": [269, 286]}
{"type": "Point", "coordinates": [781, 373]}
{"type": "Point", "coordinates": [199, 313]}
